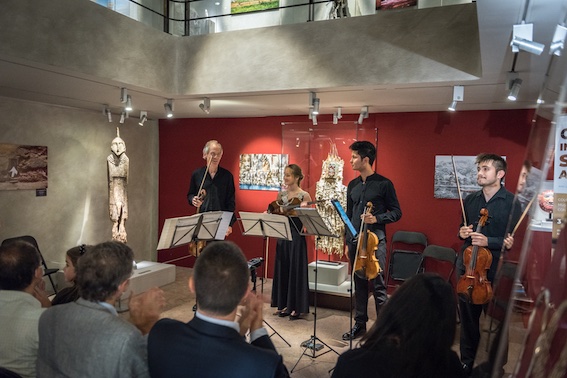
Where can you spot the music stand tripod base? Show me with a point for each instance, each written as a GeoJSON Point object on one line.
{"type": "Point", "coordinates": [311, 344]}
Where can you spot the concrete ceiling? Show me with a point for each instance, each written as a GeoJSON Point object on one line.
{"type": "Point", "coordinates": [53, 85]}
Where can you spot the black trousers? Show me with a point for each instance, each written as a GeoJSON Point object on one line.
{"type": "Point", "coordinates": [470, 330]}
{"type": "Point", "coordinates": [362, 286]}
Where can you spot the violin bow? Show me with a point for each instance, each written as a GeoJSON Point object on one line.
{"type": "Point", "coordinates": [523, 215]}
{"type": "Point", "coordinates": [459, 190]}
{"type": "Point", "coordinates": [204, 177]}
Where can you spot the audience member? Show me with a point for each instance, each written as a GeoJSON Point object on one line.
{"type": "Point", "coordinates": [86, 338]}
{"type": "Point", "coordinates": [20, 273]}
{"type": "Point", "coordinates": [70, 293]}
{"type": "Point", "coordinates": [213, 343]}
{"type": "Point", "coordinates": [412, 336]}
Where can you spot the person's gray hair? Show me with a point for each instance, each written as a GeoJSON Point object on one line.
{"type": "Point", "coordinates": [208, 146]}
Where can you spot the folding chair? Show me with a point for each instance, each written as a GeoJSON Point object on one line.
{"type": "Point", "coordinates": [47, 271]}
{"type": "Point", "coordinates": [405, 259]}
{"type": "Point", "coordinates": [440, 260]}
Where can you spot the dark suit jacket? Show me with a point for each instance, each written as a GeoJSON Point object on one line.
{"type": "Point", "coordinates": [202, 349]}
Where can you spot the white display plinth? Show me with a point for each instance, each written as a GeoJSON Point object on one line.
{"type": "Point", "coordinates": [146, 275]}
{"type": "Point", "coordinates": [328, 272]}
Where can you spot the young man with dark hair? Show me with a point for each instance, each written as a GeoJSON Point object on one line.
{"type": "Point", "coordinates": [377, 189]}
{"type": "Point", "coordinates": [213, 343]}
{"type": "Point", "coordinates": [499, 202]}
{"type": "Point", "coordinates": [86, 338]}
{"type": "Point", "coordinates": [20, 273]}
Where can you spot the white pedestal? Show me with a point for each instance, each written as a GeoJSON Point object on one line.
{"type": "Point", "coordinates": [328, 272]}
{"type": "Point", "coordinates": [147, 275]}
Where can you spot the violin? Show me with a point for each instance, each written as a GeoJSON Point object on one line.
{"type": "Point", "coordinates": [473, 285]}
{"type": "Point", "coordinates": [366, 264]}
{"type": "Point", "coordinates": [279, 208]}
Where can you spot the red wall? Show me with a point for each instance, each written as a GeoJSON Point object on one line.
{"type": "Point", "coordinates": [407, 146]}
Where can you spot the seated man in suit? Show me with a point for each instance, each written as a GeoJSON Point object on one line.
{"type": "Point", "coordinates": [20, 306]}
{"type": "Point", "coordinates": [86, 338]}
{"type": "Point", "coordinates": [213, 343]}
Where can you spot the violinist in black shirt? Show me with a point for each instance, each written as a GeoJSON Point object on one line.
{"type": "Point", "coordinates": [212, 187]}
{"type": "Point", "coordinates": [375, 188]}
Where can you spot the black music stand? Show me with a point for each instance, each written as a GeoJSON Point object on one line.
{"type": "Point", "coordinates": [207, 226]}
{"type": "Point", "coordinates": [314, 225]}
{"type": "Point", "coordinates": [266, 225]}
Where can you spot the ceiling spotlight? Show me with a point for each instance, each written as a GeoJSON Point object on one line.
{"type": "Point", "coordinates": [128, 106]}
{"type": "Point", "coordinates": [313, 103]}
{"type": "Point", "coordinates": [522, 39]}
{"type": "Point", "coordinates": [122, 116]}
{"type": "Point", "coordinates": [458, 95]}
{"type": "Point", "coordinates": [558, 41]}
{"type": "Point", "coordinates": [314, 119]}
{"type": "Point", "coordinates": [143, 117]}
{"type": "Point", "coordinates": [339, 112]}
{"type": "Point", "coordinates": [335, 119]}
{"type": "Point", "coordinates": [123, 95]}
{"type": "Point", "coordinates": [106, 111]}
{"type": "Point", "coordinates": [363, 114]}
{"type": "Point", "coordinates": [206, 105]}
{"type": "Point", "coordinates": [168, 106]}
{"type": "Point", "coordinates": [316, 106]}
{"type": "Point", "coordinates": [514, 89]}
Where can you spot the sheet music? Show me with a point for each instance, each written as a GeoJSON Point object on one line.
{"type": "Point", "coordinates": [264, 224]}
{"type": "Point", "coordinates": [313, 223]}
{"type": "Point", "coordinates": [180, 231]}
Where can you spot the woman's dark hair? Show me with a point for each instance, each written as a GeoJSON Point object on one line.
{"type": "Point", "coordinates": [419, 317]}
{"type": "Point", "coordinates": [296, 172]}
{"type": "Point", "coordinates": [76, 252]}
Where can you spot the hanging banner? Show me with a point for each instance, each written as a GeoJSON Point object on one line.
{"type": "Point", "coordinates": [557, 200]}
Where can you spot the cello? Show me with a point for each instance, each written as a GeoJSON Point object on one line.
{"type": "Point", "coordinates": [366, 265]}
{"type": "Point", "coordinates": [474, 285]}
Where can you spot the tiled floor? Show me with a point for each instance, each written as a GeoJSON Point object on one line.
{"type": "Point", "coordinates": [331, 324]}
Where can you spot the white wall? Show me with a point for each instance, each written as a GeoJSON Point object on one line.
{"type": "Point", "coordinates": [75, 209]}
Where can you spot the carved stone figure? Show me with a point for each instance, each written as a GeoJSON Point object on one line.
{"type": "Point", "coordinates": [118, 167]}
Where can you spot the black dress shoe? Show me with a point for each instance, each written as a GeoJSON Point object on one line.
{"type": "Point", "coordinates": [356, 331]}
{"type": "Point", "coordinates": [467, 370]}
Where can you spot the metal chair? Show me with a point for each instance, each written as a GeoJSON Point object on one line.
{"type": "Point", "coordinates": [440, 260]}
{"type": "Point", "coordinates": [405, 258]}
{"type": "Point", "coordinates": [46, 271]}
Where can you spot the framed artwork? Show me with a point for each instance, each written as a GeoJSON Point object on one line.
{"type": "Point", "coordinates": [445, 185]}
{"type": "Point", "coordinates": [262, 171]}
{"type": "Point", "coordinates": [244, 6]}
{"type": "Point", "coordinates": [23, 167]}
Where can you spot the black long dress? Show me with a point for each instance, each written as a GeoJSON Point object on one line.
{"type": "Point", "coordinates": [290, 287]}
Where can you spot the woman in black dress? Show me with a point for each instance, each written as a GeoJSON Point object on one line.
{"type": "Point", "coordinates": [290, 289]}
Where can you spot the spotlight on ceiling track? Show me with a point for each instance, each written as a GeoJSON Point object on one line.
{"type": "Point", "coordinates": [513, 84]}
{"type": "Point", "coordinates": [143, 117]}
{"type": "Point", "coordinates": [337, 115]}
{"type": "Point", "coordinates": [515, 89]}
{"type": "Point", "coordinates": [122, 116]}
{"type": "Point", "coordinates": [458, 95]}
{"type": "Point", "coordinates": [128, 106]}
{"type": "Point", "coordinates": [206, 105]}
{"type": "Point", "coordinates": [106, 111]}
{"type": "Point", "coordinates": [522, 39]}
{"type": "Point", "coordinates": [313, 103]}
{"type": "Point", "coordinates": [123, 95]}
{"type": "Point", "coordinates": [558, 41]}
{"type": "Point", "coordinates": [168, 106]}
{"type": "Point", "coordinates": [363, 114]}
{"type": "Point", "coordinates": [314, 119]}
